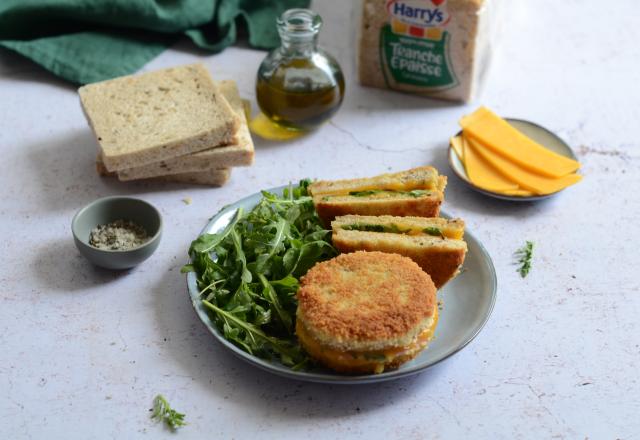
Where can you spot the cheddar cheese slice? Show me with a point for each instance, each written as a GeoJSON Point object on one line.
{"type": "Point", "coordinates": [518, 192]}
{"type": "Point", "coordinates": [483, 174]}
{"type": "Point", "coordinates": [504, 140]}
{"type": "Point", "coordinates": [523, 177]}
{"type": "Point", "coordinates": [456, 144]}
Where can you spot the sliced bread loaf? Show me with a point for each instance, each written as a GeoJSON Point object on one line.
{"type": "Point", "coordinates": [141, 119]}
{"type": "Point", "coordinates": [240, 153]}
{"type": "Point", "coordinates": [217, 177]}
{"type": "Point", "coordinates": [211, 178]}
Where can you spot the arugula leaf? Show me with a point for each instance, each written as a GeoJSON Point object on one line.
{"type": "Point", "coordinates": [248, 274]}
{"type": "Point", "coordinates": [272, 297]}
{"type": "Point", "coordinates": [274, 244]}
{"type": "Point", "coordinates": [206, 242]}
{"type": "Point", "coordinates": [255, 334]}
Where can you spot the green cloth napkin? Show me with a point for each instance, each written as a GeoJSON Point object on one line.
{"type": "Point", "coordinates": [85, 41]}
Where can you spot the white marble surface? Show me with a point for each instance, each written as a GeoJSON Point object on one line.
{"type": "Point", "coordinates": [83, 351]}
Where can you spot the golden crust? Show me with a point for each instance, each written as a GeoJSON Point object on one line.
{"type": "Point", "coordinates": [350, 362]}
{"type": "Point", "coordinates": [441, 259]}
{"type": "Point", "coordinates": [425, 177]}
{"type": "Point", "coordinates": [366, 301]}
{"type": "Point", "coordinates": [427, 206]}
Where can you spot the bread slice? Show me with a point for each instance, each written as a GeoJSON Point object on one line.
{"type": "Point", "coordinates": [141, 119]}
{"type": "Point", "coordinates": [417, 192]}
{"type": "Point", "coordinates": [240, 153]}
{"type": "Point", "coordinates": [217, 177]}
{"type": "Point", "coordinates": [210, 178]}
{"type": "Point", "coordinates": [435, 244]}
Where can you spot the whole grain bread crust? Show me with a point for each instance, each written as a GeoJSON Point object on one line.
{"type": "Point", "coordinates": [141, 119]}
{"type": "Point", "coordinates": [215, 178]}
{"type": "Point", "coordinates": [240, 153]}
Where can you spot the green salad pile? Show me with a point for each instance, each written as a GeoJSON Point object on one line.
{"type": "Point", "coordinates": [248, 274]}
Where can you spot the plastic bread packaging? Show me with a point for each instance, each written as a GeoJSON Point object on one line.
{"type": "Point", "coordinates": [436, 48]}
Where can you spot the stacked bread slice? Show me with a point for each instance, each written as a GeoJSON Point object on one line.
{"type": "Point", "coordinates": [174, 125]}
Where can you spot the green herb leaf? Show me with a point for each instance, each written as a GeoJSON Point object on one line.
{"type": "Point", "coordinates": [275, 243]}
{"type": "Point", "coordinates": [413, 193]}
{"type": "Point", "coordinates": [366, 193]}
{"type": "Point", "coordinates": [366, 227]}
{"type": "Point", "coordinates": [255, 334]}
{"type": "Point", "coordinates": [432, 230]}
{"type": "Point", "coordinates": [272, 297]}
{"type": "Point", "coordinates": [162, 411]}
{"type": "Point", "coordinates": [395, 229]}
{"type": "Point", "coordinates": [525, 256]}
{"type": "Point", "coordinates": [418, 193]}
{"type": "Point", "coordinates": [248, 274]}
{"type": "Point", "coordinates": [187, 268]}
{"type": "Point", "coordinates": [206, 242]}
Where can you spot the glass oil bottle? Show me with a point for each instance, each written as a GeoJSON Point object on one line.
{"type": "Point", "coordinates": [299, 86]}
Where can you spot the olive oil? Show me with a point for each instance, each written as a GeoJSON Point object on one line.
{"type": "Point", "coordinates": [299, 86]}
{"type": "Point", "coordinates": [300, 104]}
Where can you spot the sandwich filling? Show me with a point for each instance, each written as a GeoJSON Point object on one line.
{"type": "Point", "coordinates": [452, 229]}
{"type": "Point", "coordinates": [388, 193]}
{"type": "Point", "coordinates": [375, 360]}
{"type": "Point", "coordinates": [415, 189]}
{"type": "Point", "coordinates": [415, 183]}
{"type": "Point", "coordinates": [382, 194]}
{"type": "Point", "coordinates": [392, 228]}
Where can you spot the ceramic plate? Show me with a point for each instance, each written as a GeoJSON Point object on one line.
{"type": "Point", "coordinates": [535, 132]}
{"type": "Point", "coordinates": [467, 302]}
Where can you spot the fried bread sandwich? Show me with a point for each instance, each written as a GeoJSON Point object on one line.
{"type": "Point", "coordinates": [366, 312]}
{"type": "Point", "coordinates": [417, 192]}
{"type": "Point", "coordinates": [436, 244]}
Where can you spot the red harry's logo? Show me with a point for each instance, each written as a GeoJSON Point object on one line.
{"type": "Point", "coordinates": [420, 13]}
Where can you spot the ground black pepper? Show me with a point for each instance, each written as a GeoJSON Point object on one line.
{"type": "Point", "coordinates": [119, 235]}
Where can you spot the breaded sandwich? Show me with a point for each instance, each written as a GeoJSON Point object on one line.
{"type": "Point", "coordinates": [366, 312]}
{"type": "Point", "coordinates": [436, 244]}
{"type": "Point", "coordinates": [418, 192]}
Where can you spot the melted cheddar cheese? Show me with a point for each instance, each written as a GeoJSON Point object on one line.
{"type": "Point", "coordinates": [354, 361]}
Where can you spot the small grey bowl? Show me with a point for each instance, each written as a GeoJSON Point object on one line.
{"type": "Point", "coordinates": [107, 210]}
